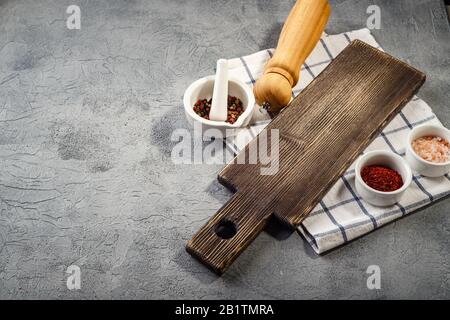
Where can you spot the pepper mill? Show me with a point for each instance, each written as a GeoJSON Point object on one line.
{"type": "Point", "coordinates": [299, 36]}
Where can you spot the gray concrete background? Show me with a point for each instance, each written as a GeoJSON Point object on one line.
{"type": "Point", "coordinates": [85, 170]}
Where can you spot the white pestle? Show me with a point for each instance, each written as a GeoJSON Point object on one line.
{"type": "Point", "coordinates": [219, 104]}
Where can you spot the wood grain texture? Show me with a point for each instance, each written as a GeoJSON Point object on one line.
{"type": "Point", "coordinates": [321, 133]}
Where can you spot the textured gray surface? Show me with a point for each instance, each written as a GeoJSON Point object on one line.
{"type": "Point", "coordinates": [85, 170]}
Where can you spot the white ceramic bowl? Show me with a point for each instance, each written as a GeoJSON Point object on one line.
{"type": "Point", "coordinates": [424, 167]}
{"type": "Point", "coordinates": [387, 159]}
{"type": "Point", "coordinates": [203, 89]}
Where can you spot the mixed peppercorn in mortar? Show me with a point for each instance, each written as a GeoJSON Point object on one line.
{"type": "Point", "coordinates": [235, 108]}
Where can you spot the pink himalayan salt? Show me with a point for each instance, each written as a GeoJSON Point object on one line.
{"type": "Point", "coordinates": [432, 148]}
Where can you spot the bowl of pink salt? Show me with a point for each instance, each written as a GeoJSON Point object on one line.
{"type": "Point", "coordinates": [428, 150]}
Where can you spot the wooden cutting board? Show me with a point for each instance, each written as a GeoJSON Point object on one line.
{"type": "Point", "coordinates": [321, 133]}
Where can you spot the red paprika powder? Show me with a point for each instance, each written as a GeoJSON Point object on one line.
{"type": "Point", "coordinates": [381, 178]}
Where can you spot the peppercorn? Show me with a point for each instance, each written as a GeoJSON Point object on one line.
{"type": "Point", "coordinates": [235, 108]}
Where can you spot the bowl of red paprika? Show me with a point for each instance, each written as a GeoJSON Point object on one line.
{"type": "Point", "coordinates": [382, 177]}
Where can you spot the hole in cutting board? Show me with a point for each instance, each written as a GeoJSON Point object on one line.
{"type": "Point", "coordinates": [225, 229]}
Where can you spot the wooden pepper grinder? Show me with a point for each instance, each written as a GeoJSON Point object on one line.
{"type": "Point", "coordinates": [299, 36]}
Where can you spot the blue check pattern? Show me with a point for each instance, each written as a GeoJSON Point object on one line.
{"type": "Point", "coordinates": [342, 215]}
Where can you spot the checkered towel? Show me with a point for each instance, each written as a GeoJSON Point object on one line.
{"type": "Point", "coordinates": [342, 215]}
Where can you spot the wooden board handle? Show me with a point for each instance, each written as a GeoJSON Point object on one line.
{"type": "Point", "coordinates": [299, 36]}
{"type": "Point", "coordinates": [220, 241]}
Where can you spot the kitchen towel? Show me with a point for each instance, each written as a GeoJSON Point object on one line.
{"type": "Point", "coordinates": [342, 215]}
